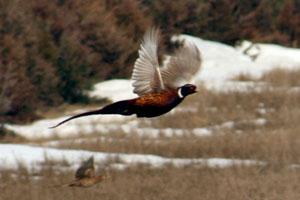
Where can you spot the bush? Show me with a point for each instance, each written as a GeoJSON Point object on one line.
{"type": "Point", "coordinates": [51, 52]}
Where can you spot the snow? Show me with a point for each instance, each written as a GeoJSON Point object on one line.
{"type": "Point", "coordinates": [271, 55]}
{"type": "Point", "coordinates": [222, 62]}
{"type": "Point", "coordinates": [98, 123]}
{"type": "Point", "coordinates": [86, 126]}
{"type": "Point", "coordinates": [33, 158]}
{"type": "Point", "coordinates": [115, 90]}
{"type": "Point", "coordinates": [260, 122]}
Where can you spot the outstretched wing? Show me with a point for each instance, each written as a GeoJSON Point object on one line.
{"type": "Point", "coordinates": [146, 74]}
{"type": "Point", "coordinates": [86, 169]}
{"type": "Point", "coordinates": [182, 66]}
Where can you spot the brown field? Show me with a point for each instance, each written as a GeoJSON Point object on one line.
{"type": "Point", "coordinates": [168, 183]}
{"type": "Point", "coordinates": [275, 140]}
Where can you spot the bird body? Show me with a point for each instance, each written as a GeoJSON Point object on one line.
{"type": "Point", "coordinates": [87, 182]}
{"type": "Point", "coordinates": [85, 175]}
{"type": "Point", "coordinates": [154, 104]}
{"type": "Point", "coordinates": [160, 89]}
{"type": "Point", "coordinates": [148, 105]}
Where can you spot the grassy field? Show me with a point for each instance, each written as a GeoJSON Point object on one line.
{"type": "Point", "coordinates": [262, 124]}
{"type": "Point", "coordinates": [168, 183]}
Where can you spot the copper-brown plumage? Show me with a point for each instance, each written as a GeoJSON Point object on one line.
{"type": "Point", "coordinates": [160, 89]}
{"type": "Point", "coordinates": [155, 99]}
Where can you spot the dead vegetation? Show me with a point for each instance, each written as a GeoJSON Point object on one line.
{"type": "Point", "coordinates": [283, 78]}
{"type": "Point", "coordinates": [167, 183]}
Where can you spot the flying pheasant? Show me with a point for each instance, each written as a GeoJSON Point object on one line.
{"type": "Point", "coordinates": [160, 89]}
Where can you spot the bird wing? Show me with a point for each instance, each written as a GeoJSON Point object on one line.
{"type": "Point", "coordinates": [146, 73]}
{"type": "Point", "coordinates": [182, 66]}
{"type": "Point", "coordinates": [86, 169]}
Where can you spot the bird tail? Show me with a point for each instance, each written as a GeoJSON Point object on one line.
{"type": "Point", "coordinates": [120, 107]}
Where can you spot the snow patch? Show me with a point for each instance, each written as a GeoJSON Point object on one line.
{"type": "Point", "coordinates": [115, 90]}
{"type": "Point", "coordinates": [33, 158]}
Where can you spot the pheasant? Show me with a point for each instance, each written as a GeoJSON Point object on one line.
{"type": "Point", "coordinates": [85, 175]}
{"type": "Point", "coordinates": [159, 89]}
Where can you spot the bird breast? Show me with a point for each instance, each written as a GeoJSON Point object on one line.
{"type": "Point", "coordinates": [157, 99]}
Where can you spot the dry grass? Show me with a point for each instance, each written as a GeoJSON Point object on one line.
{"type": "Point", "coordinates": [243, 77]}
{"type": "Point", "coordinates": [168, 183]}
{"type": "Point", "coordinates": [276, 142]}
{"type": "Point", "coordinates": [281, 77]}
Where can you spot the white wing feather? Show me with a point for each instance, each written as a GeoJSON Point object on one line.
{"type": "Point", "coordinates": [146, 74]}
{"type": "Point", "coordinates": [182, 67]}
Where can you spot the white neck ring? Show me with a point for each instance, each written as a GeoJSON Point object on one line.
{"type": "Point", "coordinates": [179, 93]}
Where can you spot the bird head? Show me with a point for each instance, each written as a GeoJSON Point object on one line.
{"type": "Point", "coordinates": [186, 90]}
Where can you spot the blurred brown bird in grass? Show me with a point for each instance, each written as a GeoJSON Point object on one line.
{"type": "Point", "coordinates": [85, 175]}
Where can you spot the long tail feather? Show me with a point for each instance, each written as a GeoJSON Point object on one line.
{"type": "Point", "coordinates": [120, 107]}
{"type": "Point", "coordinates": [95, 112]}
